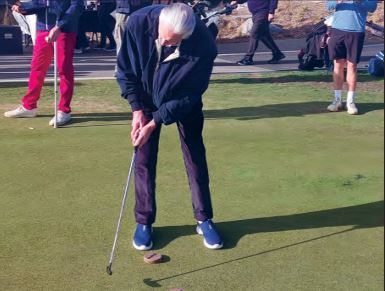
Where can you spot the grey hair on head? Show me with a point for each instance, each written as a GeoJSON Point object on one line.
{"type": "Point", "coordinates": [180, 17]}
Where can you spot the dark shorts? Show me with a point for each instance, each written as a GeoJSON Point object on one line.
{"type": "Point", "coordinates": [346, 45]}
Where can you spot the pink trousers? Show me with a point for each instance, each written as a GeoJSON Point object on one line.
{"type": "Point", "coordinates": [43, 54]}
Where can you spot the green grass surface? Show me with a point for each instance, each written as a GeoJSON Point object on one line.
{"type": "Point", "coordinates": [297, 192]}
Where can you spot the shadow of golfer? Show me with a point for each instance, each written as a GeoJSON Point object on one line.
{"type": "Point", "coordinates": [108, 119]}
{"type": "Point", "coordinates": [301, 109]}
{"type": "Point", "coordinates": [357, 217]}
{"type": "Point", "coordinates": [155, 283]}
{"type": "Point", "coordinates": [360, 216]}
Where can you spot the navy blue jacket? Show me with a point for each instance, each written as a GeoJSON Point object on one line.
{"type": "Point", "coordinates": [173, 89]}
{"type": "Point", "coordinates": [66, 12]}
{"type": "Point", "coordinates": [130, 6]}
{"type": "Point", "coordinates": [261, 6]}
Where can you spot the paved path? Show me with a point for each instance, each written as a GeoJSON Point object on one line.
{"type": "Point", "coordinates": [100, 65]}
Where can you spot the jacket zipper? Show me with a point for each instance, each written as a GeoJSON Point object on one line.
{"type": "Point", "coordinates": [159, 54]}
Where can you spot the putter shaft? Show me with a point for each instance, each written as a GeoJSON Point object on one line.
{"type": "Point", "coordinates": [123, 207]}
{"type": "Point", "coordinates": [55, 80]}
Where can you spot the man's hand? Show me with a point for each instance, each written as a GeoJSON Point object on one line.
{"type": "Point", "coordinates": [53, 35]}
{"type": "Point", "coordinates": [233, 3]}
{"type": "Point", "coordinates": [271, 17]}
{"type": "Point", "coordinates": [144, 134]}
{"type": "Point", "coordinates": [139, 120]}
{"type": "Point", "coordinates": [18, 9]}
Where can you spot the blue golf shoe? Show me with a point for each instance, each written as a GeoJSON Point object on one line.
{"type": "Point", "coordinates": [212, 239]}
{"type": "Point", "coordinates": [143, 237]}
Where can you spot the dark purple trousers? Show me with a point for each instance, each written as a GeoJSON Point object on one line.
{"type": "Point", "coordinates": [194, 154]}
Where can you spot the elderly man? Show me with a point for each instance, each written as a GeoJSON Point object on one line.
{"type": "Point", "coordinates": [163, 74]}
{"type": "Point", "coordinates": [346, 42]}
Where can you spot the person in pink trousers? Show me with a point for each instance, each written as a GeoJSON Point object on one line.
{"type": "Point", "coordinates": [57, 21]}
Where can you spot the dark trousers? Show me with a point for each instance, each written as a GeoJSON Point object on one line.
{"type": "Point", "coordinates": [81, 39]}
{"type": "Point", "coordinates": [107, 23]}
{"type": "Point", "coordinates": [194, 154]}
{"type": "Point", "coordinates": [261, 32]}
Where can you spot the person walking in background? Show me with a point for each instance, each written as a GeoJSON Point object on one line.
{"type": "Point", "coordinates": [4, 13]}
{"type": "Point", "coordinates": [3, 9]}
{"type": "Point", "coordinates": [263, 12]}
{"type": "Point", "coordinates": [107, 24]}
{"type": "Point", "coordinates": [82, 40]}
{"type": "Point", "coordinates": [346, 42]}
{"type": "Point", "coordinates": [163, 73]}
{"type": "Point", "coordinates": [124, 8]}
{"type": "Point", "coordinates": [57, 20]}
{"type": "Point", "coordinates": [27, 23]}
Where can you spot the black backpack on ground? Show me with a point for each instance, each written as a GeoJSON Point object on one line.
{"type": "Point", "coordinates": [313, 55]}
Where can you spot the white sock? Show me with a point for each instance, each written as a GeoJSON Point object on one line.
{"type": "Point", "coordinates": [338, 95]}
{"type": "Point", "coordinates": [351, 97]}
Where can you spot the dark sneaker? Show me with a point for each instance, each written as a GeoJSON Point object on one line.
{"type": "Point", "coordinates": [246, 62]}
{"type": "Point", "coordinates": [212, 239]}
{"type": "Point", "coordinates": [143, 237]}
{"type": "Point", "coordinates": [276, 59]}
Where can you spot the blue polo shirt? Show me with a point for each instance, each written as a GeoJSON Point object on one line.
{"type": "Point", "coordinates": [351, 15]}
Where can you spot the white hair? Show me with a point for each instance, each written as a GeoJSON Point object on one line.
{"type": "Point", "coordinates": [180, 17]}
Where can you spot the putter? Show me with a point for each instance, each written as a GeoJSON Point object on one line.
{"type": "Point", "coordinates": [123, 207]}
{"type": "Point", "coordinates": [47, 39]}
{"type": "Point", "coordinates": [55, 80]}
{"type": "Point", "coordinates": [47, 6]}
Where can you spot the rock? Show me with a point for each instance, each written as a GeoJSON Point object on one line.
{"type": "Point", "coordinates": [245, 28]}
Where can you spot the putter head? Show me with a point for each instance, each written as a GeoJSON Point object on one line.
{"type": "Point", "coordinates": [109, 269]}
{"type": "Point", "coordinates": [151, 283]}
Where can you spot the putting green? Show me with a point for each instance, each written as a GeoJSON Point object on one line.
{"type": "Point", "coordinates": [297, 192]}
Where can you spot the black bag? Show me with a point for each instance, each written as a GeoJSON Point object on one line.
{"type": "Point", "coordinates": [313, 55]}
{"type": "Point", "coordinates": [307, 62]}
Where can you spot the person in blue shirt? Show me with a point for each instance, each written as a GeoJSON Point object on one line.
{"type": "Point", "coordinates": [346, 43]}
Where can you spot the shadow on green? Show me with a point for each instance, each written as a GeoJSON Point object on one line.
{"type": "Point", "coordinates": [240, 113]}
{"type": "Point", "coordinates": [358, 217]}
{"type": "Point", "coordinates": [288, 78]}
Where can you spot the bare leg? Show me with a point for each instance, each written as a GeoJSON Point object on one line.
{"type": "Point", "coordinates": [338, 75]}
{"type": "Point", "coordinates": [352, 85]}
{"type": "Point", "coordinates": [352, 77]}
